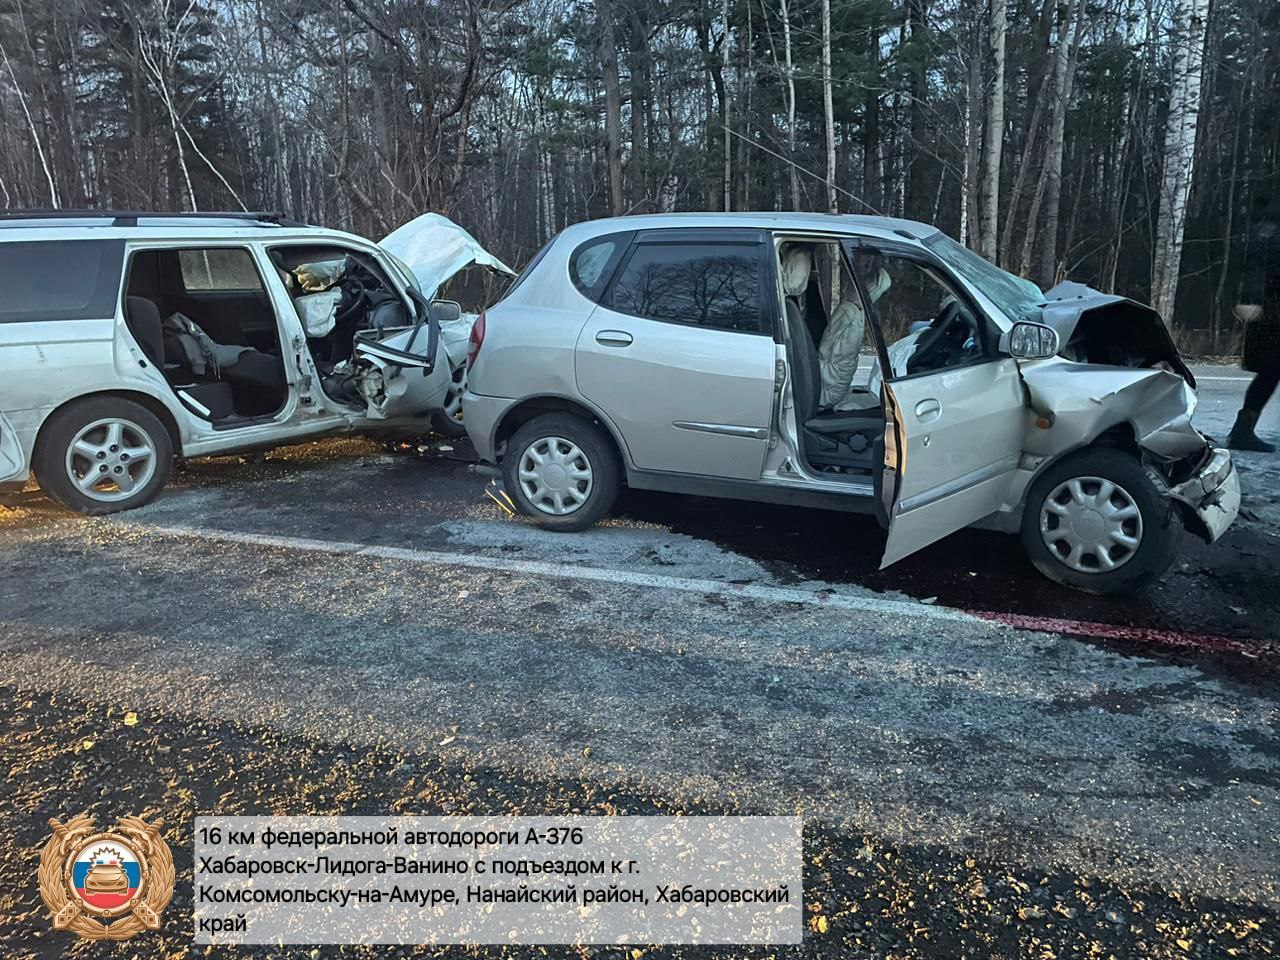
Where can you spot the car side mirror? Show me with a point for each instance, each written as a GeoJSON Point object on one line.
{"type": "Point", "coordinates": [446, 310]}
{"type": "Point", "coordinates": [1030, 341]}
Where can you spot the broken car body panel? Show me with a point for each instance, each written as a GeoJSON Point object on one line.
{"type": "Point", "coordinates": [1084, 400]}
{"type": "Point", "coordinates": [1213, 494]}
{"type": "Point", "coordinates": [402, 370]}
{"type": "Point", "coordinates": [436, 249]}
{"type": "Point", "coordinates": [1104, 328]}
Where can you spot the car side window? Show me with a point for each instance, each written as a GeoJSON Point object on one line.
{"type": "Point", "coordinates": [714, 285]}
{"type": "Point", "coordinates": [593, 264]}
{"type": "Point", "coordinates": [214, 269]}
{"type": "Point", "coordinates": [924, 320]}
{"type": "Point", "coordinates": [60, 279]}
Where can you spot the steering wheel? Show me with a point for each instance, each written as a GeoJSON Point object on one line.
{"type": "Point", "coordinates": [354, 289]}
{"type": "Point", "coordinates": [931, 349]}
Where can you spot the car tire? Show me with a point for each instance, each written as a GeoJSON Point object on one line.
{"type": "Point", "coordinates": [576, 484]}
{"type": "Point", "coordinates": [1068, 524]}
{"type": "Point", "coordinates": [103, 437]}
{"type": "Point", "coordinates": [448, 421]}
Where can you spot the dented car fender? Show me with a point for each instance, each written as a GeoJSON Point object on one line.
{"type": "Point", "coordinates": [1083, 401]}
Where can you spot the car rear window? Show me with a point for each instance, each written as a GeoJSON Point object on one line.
{"type": "Point", "coordinates": [60, 279]}
{"type": "Point", "coordinates": [702, 284]}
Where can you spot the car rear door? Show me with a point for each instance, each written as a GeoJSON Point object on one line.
{"type": "Point", "coordinates": [679, 353]}
{"type": "Point", "coordinates": [953, 431]}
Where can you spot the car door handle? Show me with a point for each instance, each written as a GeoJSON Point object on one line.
{"type": "Point", "coordinates": [927, 410]}
{"type": "Point", "coordinates": [613, 338]}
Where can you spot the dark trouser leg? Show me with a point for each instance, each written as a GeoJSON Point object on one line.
{"type": "Point", "coordinates": [1260, 391]}
{"type": "Point", "coordinates": [1242, 436]}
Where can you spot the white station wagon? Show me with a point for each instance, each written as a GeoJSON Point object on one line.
{"type": "Point", "coordinates": [127, 339]}
{"type": "Point", "coordinates": [854, 363]}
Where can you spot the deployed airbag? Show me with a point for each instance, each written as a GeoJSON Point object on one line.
{"type": "Point", "coordinates": [321, 275]}
{"type": "Point", "coordinates": [318, 311]}
{"type": "Point", "coordinates": [841, 345]}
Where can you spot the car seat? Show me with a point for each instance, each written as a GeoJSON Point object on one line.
{"type": "Point", "coordinates": [213, 400]}
{"type": "Point", "coordinates": [830, 438]}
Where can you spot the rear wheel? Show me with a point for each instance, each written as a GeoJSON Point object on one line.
{"type": "Point", "coordinates": [103, 454]}
{"type": "Point", "coordinates": [562, 471]}
{"type": "Point", "coordinates": [1097, 522]}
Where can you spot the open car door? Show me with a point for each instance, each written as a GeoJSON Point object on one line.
{"type": "Point", "coordinates": [952, 444]}
{"type": "Point", "coordinates": [955, 408]}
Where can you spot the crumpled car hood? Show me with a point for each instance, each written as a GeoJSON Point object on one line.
{"type": "Point", "coordinates": [436, 249]}
{"type": "Point", "coordinates": [1110, 329]}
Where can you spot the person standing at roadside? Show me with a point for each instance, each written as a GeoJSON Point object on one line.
{"type": "Point", "coordinates": [1260, 313]}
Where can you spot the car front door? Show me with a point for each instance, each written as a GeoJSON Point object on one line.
{"type": "Point", "coordinates": [679, 352]}
{"type": "Point", "coordinates": [954, 408]}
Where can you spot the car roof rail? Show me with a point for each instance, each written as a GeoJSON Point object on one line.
{"type": "Point", "coordinates": [131, 218]}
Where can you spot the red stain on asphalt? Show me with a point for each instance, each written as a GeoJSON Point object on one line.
{"type": "Point", "coordinates": [1109, 631]}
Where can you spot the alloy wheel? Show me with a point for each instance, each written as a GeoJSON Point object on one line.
{"type": "Point", "coordinates": [452, 407]}
{"type": "Point", "coordinates": [111, 459]}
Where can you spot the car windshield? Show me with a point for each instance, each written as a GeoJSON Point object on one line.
{"type": "Point", "coordinates": [1018, 299]}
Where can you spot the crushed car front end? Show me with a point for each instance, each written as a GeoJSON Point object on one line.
{"type": "Point", "coordinates": [1211, 495]}
{"type": "Point", "coordinates": [1119, 380]}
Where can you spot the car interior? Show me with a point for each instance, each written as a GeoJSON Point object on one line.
{"type": "Point", "coordinates": [204, 318]}
{"type": "Point", "coordinates": [840, 424]}
{"type": "Point", "coordinates": [925, 322]}
{"type": "Point", "coordinates": [338, 294]}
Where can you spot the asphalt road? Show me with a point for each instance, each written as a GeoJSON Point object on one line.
{"type": "Point", "coordinates": [348, 628]}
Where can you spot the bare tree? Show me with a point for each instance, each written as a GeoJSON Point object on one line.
{"type": "Point", "coordinates": [612, 104]}
{"type": "Point", "coordinates": [994, 139]}
{"type": "Point", "coordinates": [1179, 153]}
{"type": "Point", "coordinates": [793, 174]}
{"type": "Point", "coordinates": [828, 110]}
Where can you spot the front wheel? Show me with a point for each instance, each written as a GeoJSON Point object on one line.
{"type": "Point", "coordinates": [562, 471]}
{"type": "Point", "coordinates": [1096, 521]}
{"type": "Point", "coordinates": [103, 454]}
{"type": "Point", "coordinates": [447, 421]}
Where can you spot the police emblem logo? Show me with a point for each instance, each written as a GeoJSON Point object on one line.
{"type": "Point", "coordinates": [106, 886]}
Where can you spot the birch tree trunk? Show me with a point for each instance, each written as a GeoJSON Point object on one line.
{"type": "Point", "coordinates": [791, 107]}
{"type": "Point", "coordinates": [969, 215]}
{"type": "Point", "coordinates": [828, 111]}
{"type": "Point", "coordinates": [725, 118]}
{"type": "Point", "coordinates": [872, 194]}
{"type": "Point", "coordinates": [1048, 272]}
{"type": "Point", "coordinates": [1049, 190]}
{"type": "Point", "coordinates": [1179, 153]}
{"type": "Point", "coordinates": [994, 135]}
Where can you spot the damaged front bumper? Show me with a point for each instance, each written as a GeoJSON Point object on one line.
{"type": "Point", "coordinates": [1212, 494]}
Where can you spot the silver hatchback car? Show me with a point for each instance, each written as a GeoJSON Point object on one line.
{"type": "Point", "coordinates": [852, 363]}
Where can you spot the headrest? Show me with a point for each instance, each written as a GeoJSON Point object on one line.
{"type": "Point", "coordinates": [797, 262]}
{"type": "Point", "coordinates": [139, 310]}
{"type": "Point", "coordinates": [880, 283]}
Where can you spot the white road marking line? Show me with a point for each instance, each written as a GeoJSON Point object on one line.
{"type": "Point", "coordinates": [564, 571]}
{"type": "Point", "coordinates": [1223, 379]}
